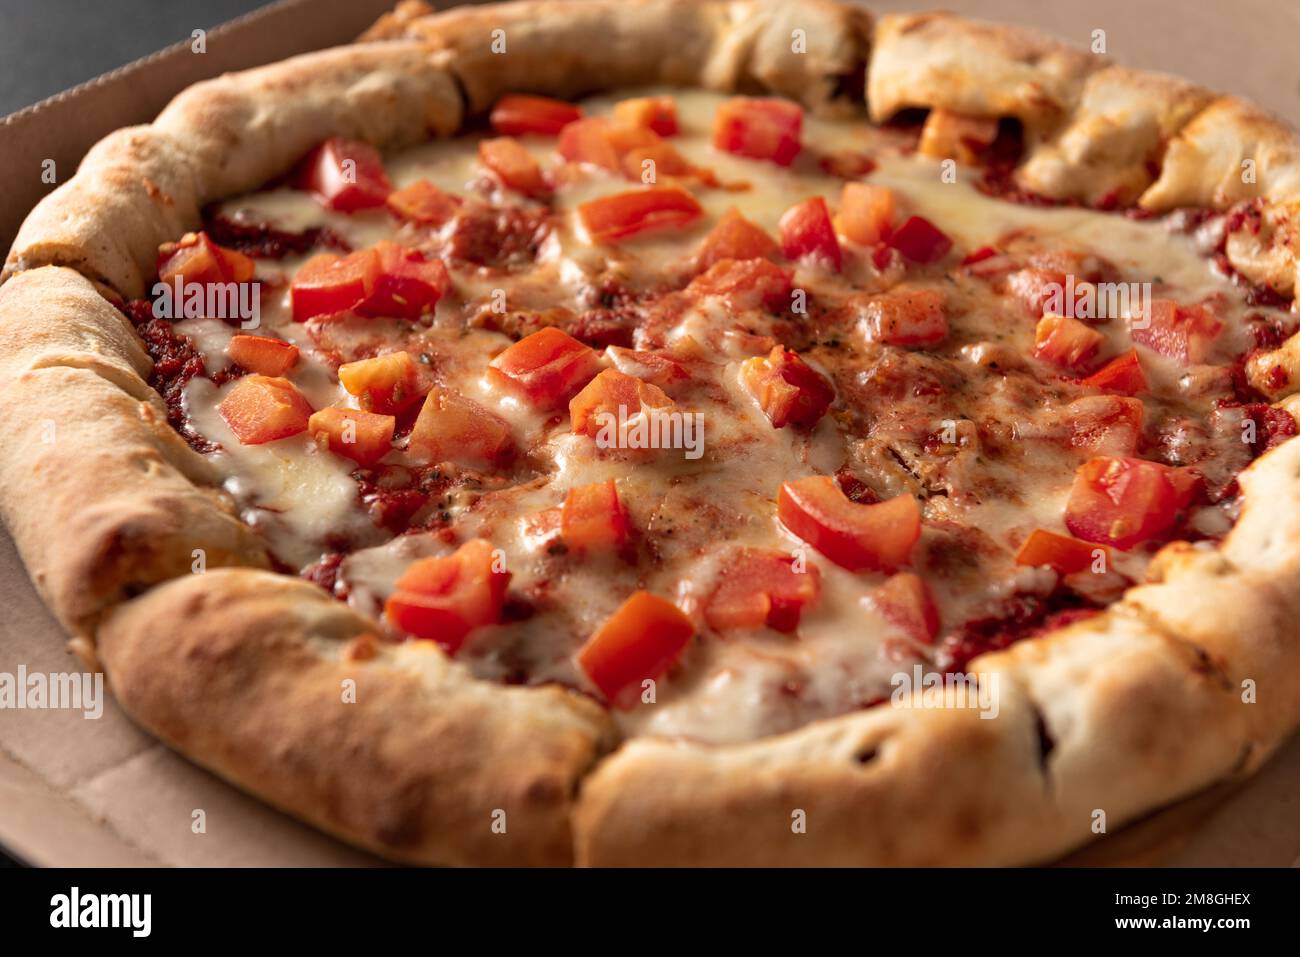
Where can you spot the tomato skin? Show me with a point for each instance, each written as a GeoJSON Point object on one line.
{"type": "Point", "coordinates": [1125, 501]}
{"type": "Point", "coordinates": [638, 642]}
{"type": "Point", "coordinates": [611, 218]}
{"type": "Point", "coordinates": [746, 284]}
{"type": "Point", "coordinates": [330, 283]}
{"type": "Point", "coordinates": [263, 355]}
{"type": "Point", "coordinates": [424, 203]}
{"type": "Point", "coordinates": [806, 231]}
{"type": "Point", "coordinates": [406, 286]}
{"type": "Point", "coordinates": [1186, 334]}
{"type": "Point", "coordinates": [1123, 374]}
{"type": "Point", "coordinates": [787, 389]}
{"type": "Point", "coordinates": [876, 537]}
{"type": "Point", "coordinates": [607, 394]}
{"type": "Point", "coordinates": [905, 601]}
{"type": "Point", "coordinates": [759, 128]}
{"type": "Point", "coordinates": [866, 213]}
{"type": "Point", "coordinates": [547, 368]}
{"type": "Point", "coordinates": [658, 113]}
{"type": "Point", "coordinates": [197, 259]}
{"type": "Point", "coordinates": [513, 165]}
{"type": "Point", "coordinates": [454, 428]}
{"type": "Point", "coordinates": [734, 237]}
{"type": "Point", "coordinates": [758, 588]}
{"type": "Point", "coordinates": [920, 241]}
{"type": "Point", "coordinates": [1060, 552]}
{"type": "Point", "coordinates": [594, 518]}
{"type": "Point", "coordinates": [346, 175]}
{"type": "Point", "coordinates": [517, 114]}
{"type": "Point", "coordinates": [909, 318]}
{"type": "Point", "coordinates": [446, 598]}
{"type": "Point", "coordinates": [364, 437]}
{"type": "Point", "coordinates": [261, 409]}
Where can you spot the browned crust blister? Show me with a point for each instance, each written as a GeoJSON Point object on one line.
{"type": "Point", "coordinates": [1189, 680]}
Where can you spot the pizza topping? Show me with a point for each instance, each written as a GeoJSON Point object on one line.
{"type": "Point", "coordinates": [613, 397]}
{"type": "Point", "coordinates": [911, 318]}
{"type": "Point", "coordinates": [263, 355]}
{"type": "Point", "coordinates": [518, 114]}
{"type": "Point", "coordinates": [513, 165]}
{"type": "Point", "coordinates": [866, 213]}
{"type": "Point", "coordinates": [593, 518]}
{"type": "Point", "coordinates": [262, 409]}
{"type": "Point", "coordinates": [734, 237]}
{"type": "Point", "coordinates": [331, 283]}
{"type": "Point", "coordinates": [386, 384]}
{"type": "Point", "coordinates": [905, 601]}
{"type": "Point", "coordinates": [658, 113]}
{"type": "Point", "coordinates": [197, 259]}
{"type": "Point", "coordinates": [547, 368]}
{"type": "Point", "coordinates": [807, 232]}
{"type": "Point", "coordinates": [453, 428]}
{"type": "Point", "coordinates": [1065, 342]}
{"type": "Point", "coordinates": [1184, 333]}
{"type": "Point", "coordinates": [746, 284]}
{"type": "Point", "coordinates": [920, 241]}
{"type": "Point", "coordinates": [1125, 501]}
{"type": "Point", "coordinates": [758, 588]}
{"type": "Point", "coordinates": [635, 644]}
{"type": "Point", "coordinates": [1106, 424]}
{"type": "Point", "coordinates": [345, 175]}
{"type": "Point", "coordinates": [387, 280]}
{"type": "Point", "coordinates": [763, 129]}
{"type": "Point", "coordinates": [364, 437]}
{"type": "Point", "coordinates": [948, 135]}
{"type": "Point", "coordinates": [424, 203]}
{"type": "Point", "coordinates": [1064, 554]}
{"type": "Point", "coordinates": [446, 598]}
{"type": "Point", "coordinates": [857, 537]}
{"type": "Point", "coordinates": [1122, 374]}
{"type": "Point", "coordinates": [787, 389]}
{"type": "Point", "coordinates": [622, 215]}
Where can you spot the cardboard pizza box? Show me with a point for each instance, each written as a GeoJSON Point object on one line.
{"type": "Point", "coordinates": [94, 791]}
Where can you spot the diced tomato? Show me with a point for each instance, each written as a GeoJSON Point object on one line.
{"type": "Point", "coordinates": [263, 355]}
{"type": "Point", "coordinates": [856, 537]}
{"type": "Point", "coordinates": [806, 231]}
{"type": "Point", "coordinates": [905, 317]}
{"type": "Point", "coordinates": [424, 203]}
{"type": "Point", "coordinates": [513, 165]}
{"type": "Point", "coordinates": [1124, 501]}
{"type": "Point", "coordinates": [979, 255]}
{"type": "Point", "coordinates": [866, 213]}
{"type": "Point", "coordinates": [746, 284]}
{"type": "Point", "coordinates": [594, 518]}
{"type": "Point", "coordinates": [330, 283]}
{"type": "Point", "coordinates": [346, 175]}
{"type": "Point", "coordinates": [615, 395]}
{"type": "Point", "coordinates": [765, 129]}
{"type": "Point", "coordinates": [1034, 286]}
{"type": "Point", "coordinates": [446, 598]}
{"type": "Point", "coordinates": [386, 384]}
{"type": "Point", "coordinates": [652, 367]}
{"type": "Point", "coordinates": [588, 141]}
{"type": "Point", "coordinates": [658, 113]}
{"type": "Point", "coordinates": [904, 600]}
{"type": "Point", "coordinates": [453, 428]}
{"type": "Point", "coordinates": [1066, 342]}
{"type": "Point", "coordinates": [948, 135]}
{"type": "Point", "coordinates": [1186, 334]}
{"type": "Point", "coordinates": [1066, 555]}
{"type": "Point", "coordinates": [364, 437]}
{"type": "Point", "coordinates": [787, 389]}
{"type": "Point", "coordinates": [757, 587]}
{"type": "Point", "coordinates": [920, 241]}
{"type": "Point", "coordinates": [1122, 374]}
{"type": "Point", "coordinates": [407, 285]}
{"type": "Point", "coordinates": [657, 159]}
{"type": "Point", "coordinates": [635, 644]}
{"type": "Point", "coordinates": [734, 237]}
{"type": "Point", "coordinates": [197, 259]}
{"type": "Point", "coordinates": [547, 368]}
{"type": "Point", "coordinates": [621, 215]}
{"type": "Point", "coordinates": [262, 409]}
{"type": "Point", "coordinates": [1106, 424]}
{"type": "Point", "coordinates": [517, 114]}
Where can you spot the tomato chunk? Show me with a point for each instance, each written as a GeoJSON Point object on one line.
{"type": "Point", "coordinates": [1122, 374]}
{"type": "Point", "coordinates": [649, 161]}
{"type": "Point", "coordinates": [653, 367]}
{"type": "Point", "coordinates": [806, 231]}
{"type": "Point", "coordinates": [856, 537]}
{"type": "Point", "coordinates": [948, 135]}
{"type": "Point", "coordinates": [263, 355]}
{"type": "Point", "coordinates": [635, 644]}
{"type": "Point", "coordinates": [386, 384]}
{"type": "Point", "coordinates": [1186, 334]}
{"type": "Point", "coordinates": [363, 437]}
{"type": "Point", "coordinates": [197, 259]}
{"type": "Point", "coordinates": [513, 165]}
{"type": "Point", "coordinates": [621, 215]}
{"type": "Point", "coordinates": [454, 428]}
{"type": "Point", "coordinates": [904, 600]}
{"type": "Point", "coordinates": [910, 318]}
{"type": "Point", "coordinates": [424, 203]}
{"type": "Point", "coordinates": [547, 368]}
{"type": "Point", "coordinates": [612, 397]}
{"type": "Point", "coordinates": [658, 113]}
{"type": "Point", "coordinates": [446, 598]}
{"type": "Point", "coordinates": [589, 141]}
{"type": "Point", "coordinates": [1124, 501]}
{"type": "Point", "coordinates": [757, 588]}
{"type": "Point", "coordinates": [920, 241]}
{"type": "Point", "coordinates": [262, 409]}
{"type": "Point", "coordinates": [594, 518]}
{"type": "Point", "coordinates": [765, 129]}
{"type": "Point", "coordinates": [330, 283]}
{"type": "Point", "coordinates": [866, 213]}
{"type": "Point", "coordinates": [406, 286]}
{"type": "Point", "coordinates": [746, 284]}
{"type": "Point", "coordinates": [516, 114]}
{"type": "Point", "coordinates": [1066, 342]}
{"type": "Point", "coordinates": [1066, 555]}
{"type": "Point", "coordinates": [1106, 424]}
{"type": "Point", "coordinates": [734, 237]}
{"type": "Point", "coordinates": [787, 389]}
{"type": "Point", "coordinates": [346, 175]}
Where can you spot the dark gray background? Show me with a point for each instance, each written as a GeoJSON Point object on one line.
{"type": "Point", "coordinates": [47, 46]}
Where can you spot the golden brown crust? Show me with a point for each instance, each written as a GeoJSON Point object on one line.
{"type": "Point", "coordinates": [402, 751]}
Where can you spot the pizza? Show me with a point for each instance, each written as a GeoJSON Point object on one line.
{"type": "Point", "coordinates": [676, 433]}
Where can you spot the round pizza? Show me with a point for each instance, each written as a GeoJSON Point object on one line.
{"type": "Point", "coordinates": [659, 432]}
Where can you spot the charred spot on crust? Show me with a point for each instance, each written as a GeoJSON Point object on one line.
{"type": "Point", "coordinates": [1046, 743]}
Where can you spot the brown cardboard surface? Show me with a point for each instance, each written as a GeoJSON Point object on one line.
{"type": "Point", "coordinates": [97, 792]}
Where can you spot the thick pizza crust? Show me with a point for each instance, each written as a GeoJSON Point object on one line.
{"type": "Point", "coordinates": [243, 670]}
